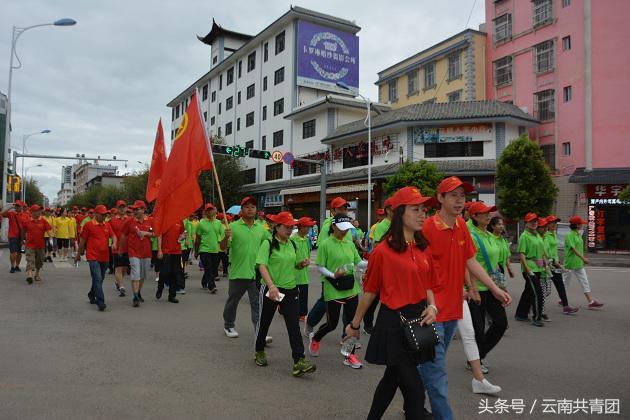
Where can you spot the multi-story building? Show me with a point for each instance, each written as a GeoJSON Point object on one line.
{"type": "Point", "coordinates": [449, 71]}
{"type": "Point", "coordinates": [566, 62]}
{"type": "Point", "coordinates": [84, 172]}
{"type": "Point", "coordinates": [105, 180]}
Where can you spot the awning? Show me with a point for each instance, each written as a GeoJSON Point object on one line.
{"type": "Point", "coordinates": [339, 189]}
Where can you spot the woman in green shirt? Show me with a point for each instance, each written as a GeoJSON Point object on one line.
{"type": "Point", "coordinates": [553, 260]}
{"type": "Point", "coordinates": [497, 228]}
{"type": "Point", "coordinates": [303, 251]}
{"type": "Point", "coordinates": [278, 264]}
{"type": "Point", "coordinates": [337, 260]}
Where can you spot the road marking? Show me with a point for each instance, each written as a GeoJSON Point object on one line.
{"type": "Point", "coordinates": [615, 269]}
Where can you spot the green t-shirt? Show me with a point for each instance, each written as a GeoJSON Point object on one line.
{"type": "Point", "coordinates": [381, 229]}
{"type": "Point", "coordinates": [303, 252]}
{"type": "Point", "coordinates": [188, 241]}
{"type": "Point", "coordinates": [532, 245]}
{"type": "Point", "coordinates": [504, 246]}
{"type": "Point", "coordinates": [323, 232]}
{"type": "Point", "coordinates": [211, 232]}
{"type": "Point", "coordinates": [359, 234]}
{"type": "Point", "coordinates": [493, 250]}
{"type": "Point", "coordinates": [333, 254]}
{"type": "Point", "coordinates": [573, 240]}
{"type": "Point", "coordinates": [244, 245]}
{"type": "Point", "coordinates": [154, 243]}
{"type": "Point", "coordinates": [280, 264]}
{"type": "Point", "coordinates": [551, 246]}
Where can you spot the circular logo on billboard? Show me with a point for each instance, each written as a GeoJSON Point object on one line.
{"type": "Point", "coordinates": [329, 42]}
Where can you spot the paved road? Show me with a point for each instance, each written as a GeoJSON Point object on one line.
{"type": "Point", "coordinates": [62, 359]}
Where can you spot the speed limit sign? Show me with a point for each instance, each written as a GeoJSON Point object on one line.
{"type": "Point", "coordinates": [276, 156]}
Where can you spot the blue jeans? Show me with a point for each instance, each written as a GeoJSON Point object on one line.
{"type": "Point", "coordinates": [97, 271]}
{"type": "Point", "coordinates": [434, 373]}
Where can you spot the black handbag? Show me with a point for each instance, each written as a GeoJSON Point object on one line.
{"type": "Point", "coordinates": [342, 283]}
{"type": "Point", "coordinates": [419, 339]}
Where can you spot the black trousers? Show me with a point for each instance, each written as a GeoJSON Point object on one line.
{"type": "Point", "coordinates": [491, 307]}
{"type": "Point", "coordinates": [171, 272]}
{"type": "Point", "coordinates": [407, 378]}
{"type": "Point", "coordinates": [531, 298]}
{"type": "Point", "coordinates": [303, 289]}
{"type": "Point", "coordinates": [210, 263]}
{"type": "Point", "coordinates": [368, 319]}
{"type": "Point", "coordinates": [290, 306]}
{"type": "Point", "coordinates": [225, 262]}
{"type": "Point", "coordinates": [333, 311]}
{"type": "Point", "coordinates": [557, 280]}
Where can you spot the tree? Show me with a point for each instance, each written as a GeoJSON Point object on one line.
{"type": "Point", "coordinates": [624, 195]}
{"type": "Point", "coordinates": [32, 193]}
{"type": "Point", "coordinates": [422, 174]}
{"type": "Point", "coordinates": [523, 179]}
{"type": "Point", "coordinates": [135, 186]}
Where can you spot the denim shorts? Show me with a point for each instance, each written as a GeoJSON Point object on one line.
{"type": "Point", "coordinates": [15, 245]}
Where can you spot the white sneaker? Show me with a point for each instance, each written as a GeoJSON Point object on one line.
{"type": "Point", "coordinates": [268, 339]}
{"type": "Point", "coordinates": [230, 332]}
{"type": "Point", "coordinates": [484, 387]}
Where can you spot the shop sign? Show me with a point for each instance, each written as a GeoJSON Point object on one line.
{"type": "Point", "coordinates": [452, 134]}
{"type": "Point", "coordinates": [605, 190]}
{"type": "Point", "coordinates": [274, 200]}
{"type": "Point", "coordinates": [596, 237]}
{"type": "Point", "coordinates": [591, 227]}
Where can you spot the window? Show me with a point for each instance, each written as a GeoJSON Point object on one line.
{"type": "Point", "coordinates": [212, 120]}
{"type": "Point", "coordinates": [229, 77]}
{"type": "Point", "coordinates": [173, 114]}
{"type": "Point", "coordinates": [454, 66]}
{"type": "Point", "coordinates": [455, 96]}
{"type": "Point", "coordinates": [279, 42]}
{"type": "Point", "coordinates": [249, 144]}
{"type": "Point", "coordinates": [264, 111]}
{"type": "Point", "coordinates": [566, 3]}
{"type": "Point", "coordinates": [220, 81]}
{"type": "Point", "coordinates": [204, 93]}
{"type": "Point", "coordinates": [219, 108]}
{"type": "Point", "coordinates": [503, 27]}
{"type": "Point", "coordinates": [219, 133]}
{"type": "Point", "coordinates": [308, 129]}
{"type": "Point", "coordinates": [544, 104]}
{"type": "Point", "coordinates": [566, 148]}
{"type": "Point", "coordinates": [251, 91]}
{"type": "Point", "coordinates": [177, 111]}
{"type": "Point", "coordinates": [354, 156]}
{"type": "Point", "coordinates": [266, 52]}
{"type": "Point", "coordinates": [567, 92]}
{"type": "Point", "coordinates": [393, 90]}
{"type": "Point", "coordinates": [503, 71]}
{"type": "Point", "coordinates": [249, 119]}
{"type": "Point", "coordinates": [543, 11]}
{"type": "Point", "coordinates": [265, 84]}
{"type": "Point", "coordinates": [228, 129]}
{"type": "Point", "coordinates": [249, 176]}
{"type": "Point", "coordinates": [251, 62]}
{"type": "Point", "coordinates": [278, 138]}
{"type": "Point", "coordinates": [238, 124]}
{"type": "Point", "coordinates": [304, 168]}
{"type": "Point", "coordinates": [238, 98]}
{"type": "Point", "coordinates": [229, 103]}
{"type": "Point", "coordinates": [205, 116]}
{"type": "Point", "coordinates": [544, 57]}
{"type": "Point", "coordinates": [214, 59]}
{"type": "Point", "coordinates": [240, 68]}
{"type": "Point", "coordinates": [566, 43]}
{"type": "Point", "coordinates": [263, 142]}
{"type": "Point", "coordinates": [214, 96]}
{"type": "Point", "coordinates": [278, 107]}
{"type": "Point", "coordinates": [447, 150]}
{"type": "Point", "coordinates": [412, 82]}
{"type": "Point", "coordinates": [429, 76]}
{"type": "Point", "coordinates": [274, 171]}
{"type": "Point", "coordinates": [278, 76]}
{"type": "Point", "coordinates": [549, 154]}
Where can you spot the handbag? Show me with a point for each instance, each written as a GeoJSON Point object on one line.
{"type": "Point", "coordinates": [419, 339]}
{"type": "Point", "coordinates": [497, 276]}
{"type": "Point", "coordinates": [342, 283]}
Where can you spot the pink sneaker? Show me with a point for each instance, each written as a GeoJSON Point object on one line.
{"type": "Point", "coordinates": [353, 361]}
{"type": "Point", "coordinates": [313, 348]}
{"type": "Point", "coordinates": [568, 310]}
{"type": "Point", "coordinates": [595, 305]}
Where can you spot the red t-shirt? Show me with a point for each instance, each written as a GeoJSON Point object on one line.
{"type": "Point", "coordinates": [170, 242]}
{"type": "Point", "coordinates": [79, 218]}
{"type": "Point", "coordinates": [14, 223]}
{"type": "Point", "coordinates": [117, 224]}
{"type": "Point", "coordinates": [400, 278]}
{"type": "Point", "coordinates": [35, 229]}
{"type": "Point", "coordinates": [138, 248]}
{"type": "Point", "coordinates": [450, 248]}
{"type": "Point", "coordinates": [96, 237]}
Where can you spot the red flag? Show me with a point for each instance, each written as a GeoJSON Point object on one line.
{"type": "Point", "coordinates": [179, 193]}
{"type": "Point", "coordinates": [158, 164]}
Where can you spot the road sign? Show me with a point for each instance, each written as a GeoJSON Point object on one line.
{"type": "Point", "coordinates": [276, 156]}
{"type": "Point", "coordinates": [288, 158]}
{"type": "Point", "coordinates": [259, 154]}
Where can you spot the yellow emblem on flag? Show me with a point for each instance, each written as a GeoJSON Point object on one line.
{"type": "Point", "coordinates": [182, 127]}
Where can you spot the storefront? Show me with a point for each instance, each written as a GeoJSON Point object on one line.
{"type": "Point", "coordinates": [608, 229]}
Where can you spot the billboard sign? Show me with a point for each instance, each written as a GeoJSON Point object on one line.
{"type": "Point", "coordinates": [326, 56]}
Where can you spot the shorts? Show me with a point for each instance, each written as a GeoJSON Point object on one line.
{"type": "Point", "coordinates": [15, 245]}
{"type": "Point", "coordinates": [63, 243]}
{"type": "Point", "coordinates": [121, 260]}
{"type": "Point", "coordinates": [140, 267]}
{"type": "Point", "coordinates": [49, 244]}
{"type": "Point", "coordinates": [34, 258]}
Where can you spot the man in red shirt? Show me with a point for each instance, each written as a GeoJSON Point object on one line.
{"type": "Point", "coordinates": [453, 253]}
{"type": "Point", "coordinates": [136, 235]}
{"type": "Point", "coordinates": [34, 229]}
{"type": "Point", "coordinates": [14, 214]}
{"type": "Point", "coordinates": [95, 238]}
{"type": "Point", "coordinates": [170, 252]}
{"type": "Point", "coordinates": [120, 255]}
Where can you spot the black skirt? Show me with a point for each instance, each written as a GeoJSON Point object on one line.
{"type": "Point", "coordinates": [386, 345]}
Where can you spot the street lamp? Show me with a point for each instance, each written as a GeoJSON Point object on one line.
{"type": "Point", "coordinates": [17, 31]}
{"type": "Point", "coordinates": [368, 124]}
{"type": "Point", "coordinates": [24, 138]}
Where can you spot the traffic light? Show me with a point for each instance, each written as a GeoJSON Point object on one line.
{"type": "Point", "coordinates": [259, 154]}
{"type": "Point", "coordinates": [236, 151]}
{"type": "Point", "coordinates": [14, 183]}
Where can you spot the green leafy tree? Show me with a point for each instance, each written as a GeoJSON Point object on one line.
{"type": "Point", "coordinates": [422, 174]}
{"type": "Point", "coordinates": [523, 180]}
{"type": "Point", "coordinates": [135, 186]}
{"type": "Point", "coordinates": [624, 195]}
{"type": "Point", "coordinates": [32, 193]}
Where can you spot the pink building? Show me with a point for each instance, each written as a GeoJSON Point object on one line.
{"type": "Point", "coordinates": [566, 62]}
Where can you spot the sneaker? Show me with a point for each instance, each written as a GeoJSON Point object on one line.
{"type": "Point", "coordinates": [158, 294]}
{"type": "Point", "coordinates": [214, 291]}
{"type": "Point", "coordinates": [230, 332]}
{"type": "Point", "coordinates": [308, 330]}
{"type": "Point", "coordinates": [313, 347]}
{"type": "Point", "coordinates": [173, 300]}
{"type": "Point", "coordinates": [569, 310]}
{"type": "Point", "coordinates": [353, 361]}
{"type": "Point", "coordinates": [538, 323]}
{"type": "Point", "coordinates": [136, 302]}
{"type": "Point", "coordinates": [484, 387]}
{"type": "Point", "coordinates": [102, 307]}
{"type": "Point", "coordinates": [18, 269]}
{"type": "Point", "coordinates": [122, 292]}
{"type": "Point", "coordinates": [545, 318]}
{"type": "Point", "coordinates": [303, 366]}
{"type": "Point", "coordinates": [260, 358]}
{"type": "Point", "coordinates": [484, 368]}
{"type": "Point", "coordinates": [12, 270]}
{"type": "Point", "coordinates": [268, 339]}
{"type": "Point", "coordinates": [29, 280]}
{"type": "Point", "coordinates": [595, 305]}
{"type": "Point", "coordinates": [181, 291]}
{"type": "Point", "coordinates": [521, 318]}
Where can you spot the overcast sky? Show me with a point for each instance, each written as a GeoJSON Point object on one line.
{"type": "Point", "coordinates": [102, 85]}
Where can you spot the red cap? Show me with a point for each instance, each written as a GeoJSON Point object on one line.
{"type": "Point", "coordinates": [282, 218]}
{"type": "Point", "coordinates": [577, 220]}
{"type": "Point", "coordinates": [306, 221]}
{"type": "Point", "coordinates": [450, 183]}
{"type": "Point", "coordinates": [120, 203]}
{"type": "Point", "coordinates": [553, 218]}
{"type": "Point", "coordinates": [529, 217]}
{"type": "Point", "coordinates": [20, 203]}
{"type": "Point", "coordinates": [249, 199]}
{"type": "Point", "coordinates": [380, 212]}
{"type": "Point", "coordinates": [100, 209]}
{"type": "Point", "coordinates": [387, 203]}
{"type": "Point", "coordinates": [35, 207]}
{"type": "Point", "coordinates": [209, 206]}
{"type": "Point", "coordinates": [410, 196]}
{"type": "Point", "coordinates": [338, 202]}
{"type": "Point", "coordinates": [139, 204]}
{"type": "Point", "coordinates": [542, 222]}
{"type": "Point", "coordinates": [478, 207]}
